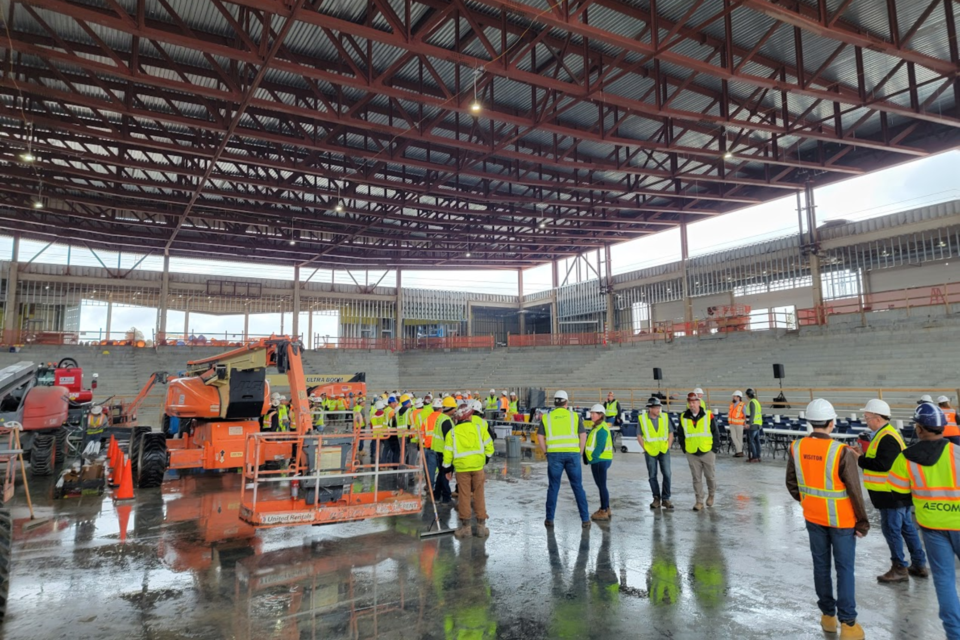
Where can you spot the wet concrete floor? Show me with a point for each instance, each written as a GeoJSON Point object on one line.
{"type": "Point", "coordinates": [188, 568]}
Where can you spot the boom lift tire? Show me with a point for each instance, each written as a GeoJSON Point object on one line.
{"type": "Point", "coordinates": [153, 460]}
{"type": "Point", "coordinates": [41, 454]}
{"type": "Point", "coordinates": [133, 450]}
{"type": "Point", "coordinates": [6, 545]}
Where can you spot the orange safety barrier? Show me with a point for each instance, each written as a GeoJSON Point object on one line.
{"type": "Point", "coordinates": [26, 336]}
{"type": "Point", "coordinates": [939, 295]}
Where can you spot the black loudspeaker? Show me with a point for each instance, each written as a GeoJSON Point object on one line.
{"type": "Point", "coordinates": [657, 373]}
{"type": "Point", "coordinates": [778, 372]}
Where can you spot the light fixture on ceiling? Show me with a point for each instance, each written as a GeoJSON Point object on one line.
{"type": "Point", "coordinates": [38, 201]}
{"type": "Point", "coordinates": [543, 224]}
{"type": "Point", "coordinates": [475, 106]}
{"type": "Point", "coordinates": [727, 155]}
{"type": "Point", "coordinates": [468, 254]}
{"type": "Point", "coordinates": [27, 156]}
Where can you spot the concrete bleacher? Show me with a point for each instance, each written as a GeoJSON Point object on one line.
{"type": "Point", "coordinates": [910, 353]}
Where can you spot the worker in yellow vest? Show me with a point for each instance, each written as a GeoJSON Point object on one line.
{"type": "Point", "coordinates": [563, 437]}
{"type": "Point", "coordinates": [318, 414]}
{"type": "Point", "coordinates": [96, 423]}
{"type": "Point", "coordinates": [822, 475]}
{"type": "Point", "coordinates": [467, 448]}
{"type": "Point", "coordinates": [359, 419]}
{"type": "Point", "coordinates": [513, 408]}
{"type": "Point", "coordinates": [753, 416]}
{"type": "Point", "coordinates": [896, 517]}
{"type": "Point", "coordinates": [598, 454]}
{"type": "Point", "coordinates": [477, 419]}
{"type": "Point", "coordinates": [441, 426]}
{"type": "Point", "coordinates": [735, 421]}
{"type": "Point", "coordinates": [401, 421]}
{"type": "Point", "coordinates": [378, 422]}
{"type": "Point", "coordinates": [656, 437]}
{"type": "Point", "coordinates": [699, 438]}
{"type": "Point", "coordinates": [930, 471]}
{"type": "Point", "coordinates": [491, 403]}
{"type": "Point", "coordinates": [612, 410]}
{"type": "Point", "coordinates": [424, 438]}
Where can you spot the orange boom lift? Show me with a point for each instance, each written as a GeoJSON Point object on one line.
{"type": "Point", "coordinates": [219, 402]}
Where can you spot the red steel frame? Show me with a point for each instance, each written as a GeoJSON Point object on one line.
{"type": "Point", "coordinates": [141, 148]}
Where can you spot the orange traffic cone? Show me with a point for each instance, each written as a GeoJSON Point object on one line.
{"type": "Point", "coordinates": [123, 515]}
{"type": "Point", "coordinates": [112, 447]}
{"type": "Point", "coordinates": [117, 467]}
{"type": "Point", "coordinates": [125, 492]}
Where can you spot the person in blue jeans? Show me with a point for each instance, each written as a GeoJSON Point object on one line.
{"type": "Point", "coordinates": [896, 513]}
{"type": "Point", "coordinates": [655, 435]}
{"type": "Point", "coordinates": [598, 453]}
{"type": "Point", "coordinates": [822, 476]}
{"type": "Point", "coordinates": [563, 437]}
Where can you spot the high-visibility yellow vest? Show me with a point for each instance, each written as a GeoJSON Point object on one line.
{"type": "Point", "coordinates": [935, 489]}
{"type": "Point", "coordinates": [466, 447]}
{"type": "Point", "coordinates": [438, 439]}
{"type": "Point", "coordinates": [419, 422]}
{"type": "Point", "coordinates": [607, 453]}
{"type": "Point", "coordinates": [491, 404]}
{"type": "Point", "coordinates": [611, 409]}
{"type": "Point", "coordinates": [561, 426]}
{"type": "Point", "coordinates": [514, 407]}
{"type": "Point", "coordinates": [757, 412]}
{"type": "Point", "coordinates": [96, 424]}
{"type": "Point", "coordinates": [318, 418]}
{"type": "Point", "coordinates": [377, 421]}
{"type": "Point", "coordinates": [822, 493]}
{"type": "Point", "coordinates": [655, 437]}
{"type": "Point", "coordinates": [404, 422]}
{"type": "Point", "coordinates": [877, 480]}
{"type": "Point", "coordinates": [283, 415]}
{"type": "Point", "coordinates": [696, 433]}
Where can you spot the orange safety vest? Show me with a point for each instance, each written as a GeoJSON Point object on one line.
{"type": "Point", "coordinates": [822, 493]}
{"type": "Point", "coordinates": [951, 429]}
{"type": "Point", "coordinates": [736, 415]}
{"type": "Point", "coordinates": [504, 403]}
{"type": "Point", "coordinates": [426, 429]}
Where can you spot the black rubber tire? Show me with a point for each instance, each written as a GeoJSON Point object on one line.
{"type": "Point", "coordinates": [153, 462]}
{"type": "Point", "coordinates": [133, 450]}
{"type": "Point", "coordinates": [165, 426]}
{"type": "Point", "coordinates": [41, 454]}
{"type": "Point", "coordinates": [67, 363]}
{"type": "Point", "coordinates": [6, 546]}
{"type": "Point", "coordinates": [62, 434]}
{"type": "Point", "coordinates": [623, 449]}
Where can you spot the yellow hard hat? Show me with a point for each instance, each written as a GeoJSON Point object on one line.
{"type": "Point", "coordinates": [404, 398]}
{"type": "Point", "coordinates": [449, 403]}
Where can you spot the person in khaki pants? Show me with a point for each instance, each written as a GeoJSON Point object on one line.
{"type": "Point", "coordinates": [698, 435]}
{"type": "Point", "coordinates": [467, 448]}
{"type": "Point", "coordinates": [736, 418]}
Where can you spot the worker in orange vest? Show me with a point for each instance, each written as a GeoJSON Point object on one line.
{"type": "Point", "coordinates": [951, 432]}
{"type": "Point", "coordinates": [822, 475]}
{"type": "Point", "coordinates": [736, 419]}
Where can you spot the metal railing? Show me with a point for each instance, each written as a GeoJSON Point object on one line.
{"type": "Point", "coordinates": [918, 297]}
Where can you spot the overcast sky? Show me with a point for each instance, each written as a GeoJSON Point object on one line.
{"type": "Point", "coordinates": [915, 184]}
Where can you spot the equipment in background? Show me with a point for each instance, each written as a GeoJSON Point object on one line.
{"type": "Point", "coordinates": [658, 376]}
{"type": "Point", "coordinates": [780, 402]}
{"type": "Point", "coordinates": [217, 403]}
{"type": "Point", "coordinates": [729, 318]}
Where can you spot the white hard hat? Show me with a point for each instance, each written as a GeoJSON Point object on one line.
{"type": "Point", "coordinates": [96, 410]}
{"type": "Point", "coordinates": [379, 405]}
{"type": "Point", "coordinates": [942, 399]}
{"type": "Point", "coordinates": [504, 392]}
{"type": "Point", "coordinates": [283, 398]}
{"type": "Point", "coordinates": [561, 395]}
{"type": "Point", "coordinates": [926, 398]}
{"type": "Point", "coordinates": [698, 391]}
{"type": "Point", "coordinates": [513, 393]}
{"type": "Point", "coordinates": [438, 404]}
{"type": "Point", "coordinates": [477, 406]}
{"type": "Point", "coordinates": [275, 395]}
{"type": "Point", "coordinates": [738, 393]}
{"type": "Point", "coordinates": [598, 408]}
{"type": "Point", "coordinates": [820, 410]}
{"type": "Point", "coordinates": [418, 404]}
{"type": "Point", "coordinates": [878, 407]}
{"type": "Point", "coordinates": [493, 391]}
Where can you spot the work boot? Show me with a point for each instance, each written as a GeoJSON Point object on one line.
{"type": "Point", "coordinates": [600, 514]}
{"type": "Point", "coordinates": [829, 623]}
{"type": "Point", "coordinates": [482, 531]}
{"type": "Point", "coordinates": [851, 631]}
{"type": "Point", "coordinates": [918, 572]}
{"type": "Point", "coordinates": [667, 505]}
{"type": "Point", "coordinates": [548, 524]}
{"type": "Point", "coordinates": [895, 574]}
{"type": "Point", "coordinates": [738, 455]}
{"type": "Point", "coordinates": [655, 504]}
{"type": "Point", "coordinates": [709, 501]}
{"type": "Point", "coordinates": [464, 530]}
{"type": "Point", "coordinates": [698, 506]}
{"type": "Point", "coordinates": [586, 524]}
{"type": "Point", "coordinates": [609, 513]}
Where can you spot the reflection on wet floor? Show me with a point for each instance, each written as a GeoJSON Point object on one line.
{"type": "Point", "coordinates": [179, 563]}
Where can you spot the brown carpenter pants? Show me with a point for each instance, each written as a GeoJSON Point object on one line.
{"type": "Point", "coordinates": [470, 495]}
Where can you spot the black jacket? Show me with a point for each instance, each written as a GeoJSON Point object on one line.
{"type": "Point", "coordinates": [925, 453]}
{"type": "Point", "coordinates": [887, 452]}
{"type": "Point", "coordinates": [714, 430]}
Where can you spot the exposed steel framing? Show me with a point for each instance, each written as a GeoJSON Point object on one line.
{"type": "Point", "coordinates": [246, 145]}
